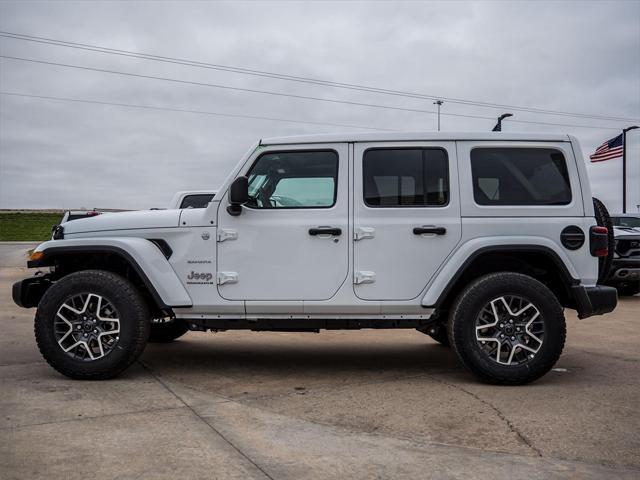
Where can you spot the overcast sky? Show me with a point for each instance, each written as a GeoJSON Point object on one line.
{"type": "Point", "coordinates": [574, 57]}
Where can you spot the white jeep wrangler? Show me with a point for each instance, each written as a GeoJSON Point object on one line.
{"type": "Point", "coordinates": [478, 240]}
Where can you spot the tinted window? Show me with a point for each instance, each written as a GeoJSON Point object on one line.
{"type": "Point", "coordinates": [519, 176]}
{"type": "Point", "coordinates": [304, 179]}
{"type": "Point", "coordinates": [632, 222]}
{"type": "Point", "coordinates": [405, 177]}
{"type": "Point", "coordinates": [196, 201]}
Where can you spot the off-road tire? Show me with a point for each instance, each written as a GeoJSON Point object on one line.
{"type": "Point", "coordinates": [134, 324]}
{"type": "Point", "coordinates": [469, 304]}
{"type": "Point", "coordinates": [628, 289]}
{"type": "Point", "coordinates": [604, 220]}
{"type": "Point", "coordinates": [168, 331]}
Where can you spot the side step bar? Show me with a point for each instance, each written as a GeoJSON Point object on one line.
{"type": "Point", "coordinates": [301, 324]}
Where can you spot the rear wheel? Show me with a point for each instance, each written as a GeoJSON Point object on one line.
{"type": "Point", "coordinates": [91, 325]}
{"type": "Point", "coordinates": [507, 328]}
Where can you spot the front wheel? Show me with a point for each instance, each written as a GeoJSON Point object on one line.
{"type": "Point", "coordinates": [507, 328]}
{"type": "Point", "coordinates": [91, 325]}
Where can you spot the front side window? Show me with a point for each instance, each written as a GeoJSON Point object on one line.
{"type": "Point", "coordinates": [303, 179]}
{"type": "Point", "coordinates": [405, 177]}
{"type": "Point", "coordinates": [520, 176]}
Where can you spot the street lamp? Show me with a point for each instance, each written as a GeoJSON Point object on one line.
{"type": "Point", "coordinates": [439, 104]}
{"type": "Point", "coordinates": [498, 127]}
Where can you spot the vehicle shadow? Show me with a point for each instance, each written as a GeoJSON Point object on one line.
{"type": "Point", "coordinates": [277, 357]}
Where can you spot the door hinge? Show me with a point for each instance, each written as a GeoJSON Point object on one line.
{"type": "Point", "coordinates": [360, 233]}
{"type": "Point", "coordinates": [226, 234]}
{"type": "Point", "coordinates": [364, 277]}
{"type": "Point", "coordinates": [226, 277]}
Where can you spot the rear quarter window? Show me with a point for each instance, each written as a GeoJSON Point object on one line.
{"type": "Point", "coordinates": [520, 176]}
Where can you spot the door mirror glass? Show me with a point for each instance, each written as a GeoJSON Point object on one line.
{"type": "Point", "coordinates": [238, 195]}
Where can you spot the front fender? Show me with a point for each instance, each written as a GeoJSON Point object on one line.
{"type": "Point", "coordinates": [142, 255]}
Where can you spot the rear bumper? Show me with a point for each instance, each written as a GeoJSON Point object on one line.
{"type": "Point", "coordinates": [28, 292]}
{"type": "Point", "coordinates": [596, 300]}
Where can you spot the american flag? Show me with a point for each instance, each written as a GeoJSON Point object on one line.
{"type": "Point", "coordinates": [608, 150]}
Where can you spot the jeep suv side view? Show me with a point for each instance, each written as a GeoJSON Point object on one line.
{"type": "Point", "coordinates": [478, 240]}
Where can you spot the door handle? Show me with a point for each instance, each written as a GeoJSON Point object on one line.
{"type": "Point", "coordinates": [429, 229]}
{"type": "Point", "coordinates": [325, 231]}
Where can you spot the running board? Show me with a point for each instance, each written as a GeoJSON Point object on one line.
{"type": "Point", "coordinates": [302, 324]}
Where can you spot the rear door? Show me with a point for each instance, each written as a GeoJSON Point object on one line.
{"type": "Point", "coordinates": [406, 216]}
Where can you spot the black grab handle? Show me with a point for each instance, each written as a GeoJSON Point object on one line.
{"type": "Point", "coordinates": [325, 231]}
{"type": "Point", "coordinates": [434, 230]}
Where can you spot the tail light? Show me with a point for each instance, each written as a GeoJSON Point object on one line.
{"type": "Point", "coordinates": [599, 241]}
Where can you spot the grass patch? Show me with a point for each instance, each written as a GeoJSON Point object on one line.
{"type": "Point", "coordinates": [27, 226]}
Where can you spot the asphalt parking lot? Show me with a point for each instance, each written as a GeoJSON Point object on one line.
{"type": "Point", "coordinates": [363, 404]}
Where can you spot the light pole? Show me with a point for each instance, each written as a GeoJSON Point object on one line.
{"type": "Point", "coordinates": [498, 127]}
{"type": "Point", "coordinates": [624, 166]}
{"type": "Point", "coordinates": [438, 103]}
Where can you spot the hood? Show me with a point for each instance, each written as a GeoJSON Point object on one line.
{"type": "Point", "coordinates": [124, 221]}
{"type": "Point", "coordinates": [619, 232]}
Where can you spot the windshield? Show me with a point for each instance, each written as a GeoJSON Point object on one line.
{"type": "Point", "coordinates": [632, 222]}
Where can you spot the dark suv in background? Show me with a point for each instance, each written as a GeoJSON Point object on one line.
{"type": "Point", "coordinates": [625, 268]}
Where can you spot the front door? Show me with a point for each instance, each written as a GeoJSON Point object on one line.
{"type": "Point", "coordinates": [406, 216]}
{"type": "Point", "coordinates": [291, 240]}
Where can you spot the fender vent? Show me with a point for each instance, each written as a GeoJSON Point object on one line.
{"type": "Point", "coordinates": [572, 237]}
{"type": "Point", "coordinates": [163, 246]}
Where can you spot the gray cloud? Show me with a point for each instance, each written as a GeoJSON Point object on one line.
{"type": "Point", "coordinates": [553, 55]}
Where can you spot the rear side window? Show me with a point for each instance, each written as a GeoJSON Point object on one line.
{"type": "Point", "coordinates": [405, 177]}
{"type": "Point", "coordinates": [196, 201]}
{"type": "Point", "coordinates": [520, 176]}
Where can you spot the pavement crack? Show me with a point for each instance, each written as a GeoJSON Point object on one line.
{"type": "Point", "coordinates": [607, 355]}
{"type": "Point", "coordinates": [521, 436]}
{"type": "Point", "coordinates": [19, 364]}
{"type": "Point", "coordinates": [204, 420]}
{"type": "Point", "coordinates": [90, 417]}
{"type": "Point", "coordinates": [321, 388]}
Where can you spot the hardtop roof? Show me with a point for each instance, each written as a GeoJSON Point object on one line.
{"type": "Point", "coordinates": [415, 137]}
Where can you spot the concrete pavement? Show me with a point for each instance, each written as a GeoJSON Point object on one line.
{"type": "Point", "coordinates": [382, 404]}
{"type": "Point", "coordinates": [14, 254]}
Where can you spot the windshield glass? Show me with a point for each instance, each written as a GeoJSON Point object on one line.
{"type": "Point", "coordinates": [633, 222]}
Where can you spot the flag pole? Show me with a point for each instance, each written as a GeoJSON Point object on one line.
{"type": "Point", "coordinates": [624, 166]}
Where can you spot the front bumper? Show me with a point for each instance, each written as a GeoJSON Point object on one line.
{"type": "Point", "coordinates": [596, 300]}
{"type": "Point", "coordinates": [625, 270]}
{"type": "Point", "coordinates": [28, 292]}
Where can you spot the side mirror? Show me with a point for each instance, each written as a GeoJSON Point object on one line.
{"type": "Point", "coordinates": [238, 195]}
